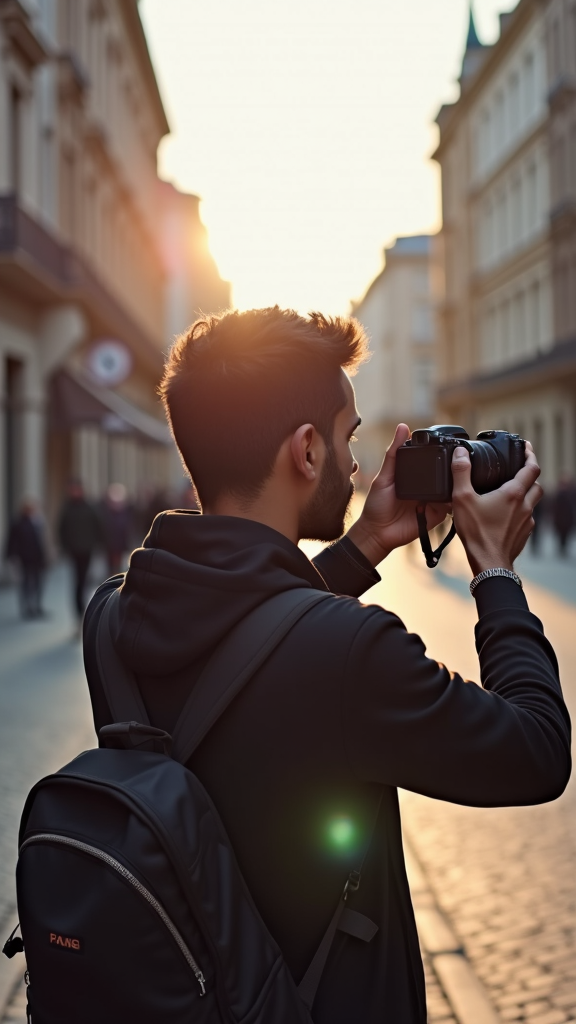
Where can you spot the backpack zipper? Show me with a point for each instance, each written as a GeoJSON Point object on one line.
{"type": "Point", "coordinates": [137, 885]}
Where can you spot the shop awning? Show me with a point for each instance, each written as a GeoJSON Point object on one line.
{"type": "Point", "coordinates": [76, 400]}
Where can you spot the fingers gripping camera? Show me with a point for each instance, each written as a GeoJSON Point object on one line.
{"type": "Point", "coordinates": [424, 463]}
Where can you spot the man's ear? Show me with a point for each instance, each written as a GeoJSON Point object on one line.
{"type": "Point", "coordinates": [305, 449]}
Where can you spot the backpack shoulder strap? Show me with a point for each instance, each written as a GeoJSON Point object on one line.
{"type": "Point", "coordinates": [232, 665]}
{"type": "Point", "coordinates": [235, 661]}
{"type": "Point", "coordinates": [119, 684]}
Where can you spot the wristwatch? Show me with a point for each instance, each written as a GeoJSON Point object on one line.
{"type": "Point", "coordinates": [488, 573]}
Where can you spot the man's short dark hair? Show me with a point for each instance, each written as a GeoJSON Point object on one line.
{"type": "Point", "coordinates": [235, 386]}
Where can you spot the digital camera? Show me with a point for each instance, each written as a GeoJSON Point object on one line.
{"type": "Point", "coordinates": [424, 463]}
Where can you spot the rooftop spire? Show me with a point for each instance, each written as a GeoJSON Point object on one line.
{"type": "Point", "coordinates": [472, 42]}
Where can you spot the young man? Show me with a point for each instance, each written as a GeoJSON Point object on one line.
{"type": "Point", "coordinates": [348, 707]}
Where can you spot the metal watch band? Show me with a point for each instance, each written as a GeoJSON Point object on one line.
{"type": "Point", "coordinates": [488, 573]}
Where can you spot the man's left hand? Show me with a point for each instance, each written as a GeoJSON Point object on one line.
{"type": "Point", "coordinates": [387, 523]}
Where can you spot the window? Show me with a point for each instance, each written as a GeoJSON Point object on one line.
{"type": "Point", "coordinates": [487, 245]}
{"type": "Point", "coordinates": [68, 196]}
{"type": "Point", "coordinates": [563, 293]}
{"type": "Point", "coordinates": [559, 157]}
{"type": "Point", "coordinates": [556, 49]}
{"type": "Point", "coordinates": [499, 118]}
{"type": "Point", "coordinates": [502, 224]}
{"type": "Point", "coordinates": [488, 338]}
{"type": "Point", "coordinates": [532, 195]}
{"type": "Point", "coordinates": [422, 322]}
{"type": "Point", "coordinates": [534, 314]}
{"type": "Point", "coordinates": [514, 105]}
{"type": "Point", "coordinates": [15, 139]}
{"type": "Point", "coordinates": [516, 210]}
{"type": "Point", "coordinates": [519, 345]}
{"type": "Point", "coordinates": [529, 85]}
{"type": "Point", "coordinates": [422, 381]}
{"type": "Point", "coordinates": [420, 280]}
{"type": "Point", "coordinates": [504, 339]}
{"type": "Point", "coordinates": [537, 439]}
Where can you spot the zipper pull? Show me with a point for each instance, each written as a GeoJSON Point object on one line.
{"type": "Point", "coordinates": [202, 982]}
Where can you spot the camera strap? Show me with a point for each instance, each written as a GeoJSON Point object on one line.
{"type": "Point", "coordinates": [432, 557]}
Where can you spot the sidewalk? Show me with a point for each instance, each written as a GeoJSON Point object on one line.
{"type": "Point", "coordinates": [45, 719]}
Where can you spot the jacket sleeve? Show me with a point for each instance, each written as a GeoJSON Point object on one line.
{"type": "Point", "coordinates": [345, 569]}
{"type": "Point", "coordinates": [410, 722]}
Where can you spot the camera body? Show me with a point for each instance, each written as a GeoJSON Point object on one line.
{"type": "Point", "coordinates": [424, 463]}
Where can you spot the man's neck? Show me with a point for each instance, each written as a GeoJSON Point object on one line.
{"type": "Point", "coordinates": [267, 509]}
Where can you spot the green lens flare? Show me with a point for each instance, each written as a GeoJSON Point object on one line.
{"type": "Point", "coordinates": [341, 832]}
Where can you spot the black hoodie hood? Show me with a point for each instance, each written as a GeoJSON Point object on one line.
{"type": "Point", "coordinates": [194, 578]}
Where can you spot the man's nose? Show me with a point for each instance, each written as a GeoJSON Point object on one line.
{"type": "Point", "coordinates": [355, 467]}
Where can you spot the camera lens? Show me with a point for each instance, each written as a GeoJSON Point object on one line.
{"type": "Point", "coordinates": [486, 467]}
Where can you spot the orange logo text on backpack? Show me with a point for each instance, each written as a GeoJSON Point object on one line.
{"type": "Point", "coordinates": [73, 945]}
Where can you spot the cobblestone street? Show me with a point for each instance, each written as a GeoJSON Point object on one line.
{"type": "Point", "coordinates": [505, 879]}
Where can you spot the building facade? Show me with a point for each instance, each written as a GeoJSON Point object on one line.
{"type": "Point", "coordinates": [397, 384]}
{"type": "Point", "coordinates": [504, 359]}
{"type": "Point", "coordinates": [94, 276]}
{"type": "Point", "coordinates": [560, 27]}
{"type": "Point", "coordinates": [193, 283]}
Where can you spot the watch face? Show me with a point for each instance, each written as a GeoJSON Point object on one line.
{"type": "Point", "coordinates": [110, 362]}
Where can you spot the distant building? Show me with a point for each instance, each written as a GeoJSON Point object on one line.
{"type": "Point", "coordinates": [100, 262]}
{"type": "Point", "coordinates": [560, 24]}
{"type": "Point", "coordinates": [193, 285]}
{"type": "Point", "coordinates": [398, 383]}
{"type": "Point", "coordinates": [505, 356]}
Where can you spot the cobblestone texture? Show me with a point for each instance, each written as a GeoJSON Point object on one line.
{"type": "Point", "coordinates": [439, 1011]}
{"type": "Point", "coordinates": [45, 715]}
{"type": "Point", "coordinates": [505, 877]}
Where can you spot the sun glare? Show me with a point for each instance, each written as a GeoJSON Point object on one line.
{"type": "Point", "coordinates": [307, 128]}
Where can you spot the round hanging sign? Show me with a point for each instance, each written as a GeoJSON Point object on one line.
{"type": "Point", "coordinates": [110, 362]}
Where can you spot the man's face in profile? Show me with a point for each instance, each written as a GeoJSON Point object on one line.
{"type": "Point", "coordinates": [324, 518]}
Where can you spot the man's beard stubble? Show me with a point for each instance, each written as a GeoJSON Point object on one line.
{"type": "Point", "coordinates": [324, 518]}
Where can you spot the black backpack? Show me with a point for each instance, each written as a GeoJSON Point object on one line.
{"type": "Point", "coordinates": [132, 907]}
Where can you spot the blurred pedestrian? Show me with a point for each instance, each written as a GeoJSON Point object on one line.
{"type": "Point", "coordinates": [116, 527]}
{"type": "Point", "coordinates": [564, 512]}
{"type": "Point", "coordinates": [26, 547]}
{"type": "Point", "coordinates": [80, 534]}
{"type": "Point", "coordinates": [538, 515]}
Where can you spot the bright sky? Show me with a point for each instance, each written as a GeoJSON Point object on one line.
{"type": "Point", "coordinates": [306, 128]}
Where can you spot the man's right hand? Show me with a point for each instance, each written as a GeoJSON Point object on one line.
{"type": "Point", "coordinates": [494, 527]}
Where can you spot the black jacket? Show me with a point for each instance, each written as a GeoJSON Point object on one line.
{"type": "Point", "coordinates": [348, 704]}
{"type": "Point", "coordinates": [79, 527]}
{"type": "Point", "coordinates": [26, 543]}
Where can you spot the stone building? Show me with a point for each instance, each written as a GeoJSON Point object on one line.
{"type": "Point", "coordinates": [193, 285]}
{"type": "Point", "coordinates": [560, 25]}
{"type": "Point", "coordinates": [397, 384]}
{"type": "Point", "coordinates": [504, 356]}
{"type": "Point", "coordinates": [90, 290]}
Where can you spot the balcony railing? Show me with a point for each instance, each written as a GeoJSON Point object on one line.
{"type": "Point", "coordinates": [21, 233]}
{"type": "Point", "coordinates": [65, 275]}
